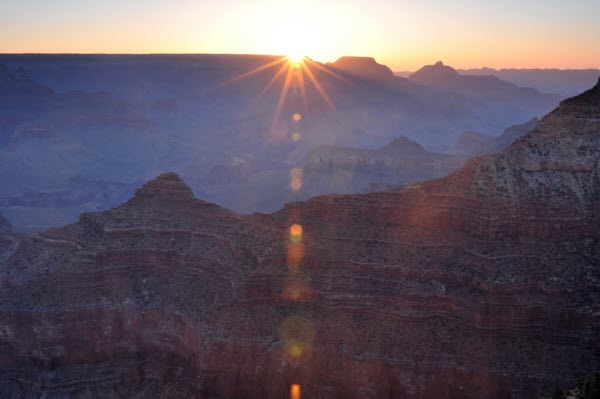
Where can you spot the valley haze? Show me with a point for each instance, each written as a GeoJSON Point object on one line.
{"type": "Point", "coordinates": [79, 132]}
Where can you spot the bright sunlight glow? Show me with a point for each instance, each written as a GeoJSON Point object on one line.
{"type": "Point", "coordinates": [297, 37]}
{"type": "Point", "coordinates": [295, 57]}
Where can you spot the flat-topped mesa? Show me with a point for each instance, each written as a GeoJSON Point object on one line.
{"type": "Point", "coordinates": [363, 66]}
{"type": "Point", "coordinates": [166, 186]}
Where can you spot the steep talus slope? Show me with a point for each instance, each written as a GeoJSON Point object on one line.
{"type": "Point", "coordinates": [481, 284]}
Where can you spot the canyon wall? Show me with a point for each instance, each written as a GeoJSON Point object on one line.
{"type": "Point", "coordinates": [480, 284]}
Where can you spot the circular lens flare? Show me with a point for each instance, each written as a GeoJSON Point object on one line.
{"type": "Point", "coordinates": [296, 230]}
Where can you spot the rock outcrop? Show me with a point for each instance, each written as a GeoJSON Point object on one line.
{"type": "Point", "coordinates": [480, 284]}
{"type": "Point", "coordinates": [363, 66]}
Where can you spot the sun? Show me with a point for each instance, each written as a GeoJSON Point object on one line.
{"type": "Point", "coordinates": [295, 37]}
{"type": "Point", "coordinates": [296, 56]}
{"type": "Point", "coordinates": [296, 70]}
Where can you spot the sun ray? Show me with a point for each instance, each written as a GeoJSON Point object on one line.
{"type": "Point", "coordinates": [255, 70]}
{"type": "Point", "coordinates": [273, 80]}
{"type": "Point", "coordinates": [318, 87]}
{"type": "Point", "coordinates": [295, 67]}
{"type": "Point", "coordinates": [282, 96]}
{"type": "Point", "coordinates": [302, 88]}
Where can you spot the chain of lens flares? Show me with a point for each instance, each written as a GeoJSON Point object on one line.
{"type": "Point", "coordinates": [296, 332]}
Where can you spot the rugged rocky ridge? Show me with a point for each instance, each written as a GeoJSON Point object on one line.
{"type": "Point", "coordinates": [481, 284]}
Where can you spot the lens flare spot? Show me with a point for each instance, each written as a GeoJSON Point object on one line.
{"type": "Point", "coordinates": [298, 351]}
{"type": "Point", "coordinates": [296, 184]}
{"type": "Point", "coordinates": [298, 291]}
{"type": "Point", "coordinates": [296, 136]}
{"type": "Point", "coordinates": [297, 329]}
{"type": "Point", "coordinates": [295, 391]}
{"type": "Point", "coordinates": [296, 179]}
{"type": "Point", "coordinates": [296, 230]}
{"type": "Point", "coordinates": [295, 349]}
{"type": "Point", "coordinates": [296, 172]}
{"type": "Point", "coordinates": [296, 117]}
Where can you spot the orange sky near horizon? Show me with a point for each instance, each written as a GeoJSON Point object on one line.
{"type": "Point", "coordinates": [402, 35]}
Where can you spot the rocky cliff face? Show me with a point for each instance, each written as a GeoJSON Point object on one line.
{"type": "Point", "coordinates": [481, 284]}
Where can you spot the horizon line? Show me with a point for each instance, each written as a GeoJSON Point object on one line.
{"type": "Point", "coordinates": [396, 70]}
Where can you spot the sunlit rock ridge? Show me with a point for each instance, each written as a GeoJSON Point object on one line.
{"type": "Point", "coordinates": [480, 284]}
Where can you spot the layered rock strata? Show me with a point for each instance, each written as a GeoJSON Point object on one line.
{"type": "Point", "coordinates": [481, 284]}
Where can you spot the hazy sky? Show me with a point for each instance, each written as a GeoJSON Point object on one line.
{"type": "Point", "coordinates": [402, 34]}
